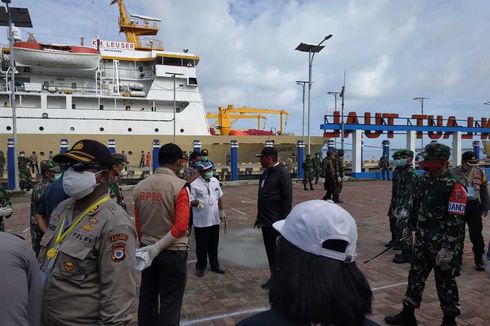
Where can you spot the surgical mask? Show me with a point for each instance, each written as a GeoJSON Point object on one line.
{"type": "Point", "coordinates": [400, 162]}
{"type": "Point", "coordinates": [208, 175]}
{"type": "Point", "coordinates": [79, 184]}
{"type": "Point", "coordinates": [204, 158]}
{"type": "Point", "coordinates": [57, 176]}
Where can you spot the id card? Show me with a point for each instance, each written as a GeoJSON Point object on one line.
{"type": "Point", "coordinates": [471, 192]}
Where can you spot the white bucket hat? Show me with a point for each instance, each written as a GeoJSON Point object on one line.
{"type": "Point", "coordinates": [313, 222]}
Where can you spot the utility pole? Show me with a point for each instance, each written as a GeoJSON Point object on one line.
{"type": "Point", "coordinates": [302, 83]}
{"type": "Point", "coordinates": [335, 95]}
{"type": "Point", "coordinates": [342, 95]}
{"type": "Point", "coordinates": [174, 75]}
{"type": "Point", "coordinates": [421, 99]}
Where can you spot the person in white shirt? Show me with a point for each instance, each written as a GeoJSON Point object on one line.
{"type": "Point", "coordinates": [208, 212]}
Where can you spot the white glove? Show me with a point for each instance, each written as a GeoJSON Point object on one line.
{"type": "Point", "coordinates": [145, 255]}
{"type": "Point", "coordinates": [407, 234]}
{"type": "Point", "coordinates": [5, 211]}
{"type": "Point", "coordinates": [339, 179]}
{"type": "Point", "coordinates": [222, 215]}
{"type": "Point", "coordinates": [200, 204]}
{"type": "Point", "coordinates": [443, 258]}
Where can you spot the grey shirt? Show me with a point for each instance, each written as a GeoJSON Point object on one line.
{"type": "Point", "coordinates": [20, 284]}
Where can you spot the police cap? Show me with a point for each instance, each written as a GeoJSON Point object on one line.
{"type": "Point", "coordinates": [469, 157]}
{"type": "Point", "coordinates": [87, 151]}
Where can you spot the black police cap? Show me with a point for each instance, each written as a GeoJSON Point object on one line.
{"type": "Point", "coordinates": [87, 151]}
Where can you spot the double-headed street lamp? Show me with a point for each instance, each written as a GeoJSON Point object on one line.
{"type": "Point", "coordinates": [302, 83]}
{"type": "Point", "coordinates": [487, 103]}
{"type": "Point", "coordinates": [311, 49]}
{"type": "Point", "coordinates": [421, 99]}
{"type": "Point", "coordinates": [335, 95]}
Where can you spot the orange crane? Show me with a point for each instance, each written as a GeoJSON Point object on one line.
{"type": "Point", "coordinates": [133, 29]}
{"type": "Point", "coordinates": [236, 117]}
{"type": "Point", "coordinates": [227, 116]}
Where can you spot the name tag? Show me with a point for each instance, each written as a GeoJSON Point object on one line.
{"type": "Point", "coordinates": [471, 192]}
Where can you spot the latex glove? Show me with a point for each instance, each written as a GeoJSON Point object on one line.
{"type": "Point", "coordinates": [485, 213]}
{"type": "Point", "coordinates": [443, 258]}
{"type": "Point", "coordinates": [200, 203]}
{"type": "Point", "coordinates": [222, 215]}
{"type": "Point", "coordinates": [145, 255]}
{"type": "Point", "coordinates": [407, 234]}
{"type": "Point", "coordinates": [5, 211]}
{"type": "Point", "coordinates": [339, 179]}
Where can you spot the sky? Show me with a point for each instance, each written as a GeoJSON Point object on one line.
{"type": "Point", "coordinates": [390, 51]}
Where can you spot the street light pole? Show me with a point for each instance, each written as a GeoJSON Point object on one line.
{"type": "Point", "coordinates": [174, 74]}
{"type": "Point", "coordinates": [335, 95]}
{"type": "Point", "coordinates": [311, 49]}
{"type": "Point", "coordinates": [421, 99]}
{"type": "Point", "coordinates": [302, 83]}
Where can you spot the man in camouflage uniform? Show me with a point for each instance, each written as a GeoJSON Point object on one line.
{"type": "Point", "coordinates": [476, 183]}
{"type": "Point", "coordinates": [437, 218]}
{"type": "Point", "coordinates": [48, 172]}
{"type": "Point", "coordinates": [25, 177]}
{"type": "Point", "coordinates": [384, 165]}
{"type": "Point", "coordinates": [317, 166]}
{"type": "Point", "coordinates": [308, 172]}
{"type": "Point", "coordinates": [2, 164]}
{"type": "Point", "coordinates": [402, 201]}
{"type": "Point", "coordinates": [330, 173]}
{"type": "Point", "coordinates": [339, 159]}
{"type": "Point", "coordinates": [114, 187]}
{"type": "Point", "coordinates": [5, 207]}
{"type": "Point", "coordinates": [391, 216]}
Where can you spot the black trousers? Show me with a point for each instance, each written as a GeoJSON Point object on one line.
{"type": "Point", "coordinates": [270, 235]}
{"type": "Point", "coordinates": [163, 281]}
{"type": "Point", "coordinates": [207, 240]}
{"type": "Point", "coordinates": [330, 186]}
{"type": "Point", "coordinates": [472, 217]}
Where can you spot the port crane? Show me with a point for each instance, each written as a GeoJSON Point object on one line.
{"type": "Point", "coordinates": [227, 116]}
{"type": "Point", "coordinates": [235, 117]}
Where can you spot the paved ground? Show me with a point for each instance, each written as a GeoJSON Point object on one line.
{"type": "Point", "coordinates": [226, 299]}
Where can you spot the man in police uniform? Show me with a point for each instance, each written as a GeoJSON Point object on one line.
{"type": "Point", "coordinates": [48, 172]}
{"type": "Point", "coordinates": [87, 255]}
{"type": "Point", "coordinates": [476, 183]}
{"type": "Point", "coordinates": [208, 211]}
{"type": "Point", "coordinates": [437, 218]}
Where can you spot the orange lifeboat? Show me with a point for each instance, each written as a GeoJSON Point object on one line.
{"type": "Point", "coordinates": [32, 53]}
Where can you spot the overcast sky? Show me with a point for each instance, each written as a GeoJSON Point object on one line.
{"type": "Point", "coordinates": [391, 51]}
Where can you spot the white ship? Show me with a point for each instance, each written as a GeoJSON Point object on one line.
{"type": "Point", "coordinates": [107, 88]}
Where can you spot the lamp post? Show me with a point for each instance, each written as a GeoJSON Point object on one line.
{"type": "Point", "coordinates": [421, 99]}
{"type": "Point", "coordinates": [174, 74]}
{"type": "Point", "coordinates": [302, 83]}
{"type": "Point", "coordinates": [311, 49]}
{"type": "Point", "coordinates": [335, 96]}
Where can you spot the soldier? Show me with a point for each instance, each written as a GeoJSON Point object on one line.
{"type": "Point", "coordinates": [48, 172]}
{"type": "Point", "coordinates": [308, 172]}
{"type": "Point", "coordinates": [114, 187]}
{"type": "Point", "coordinates": [330, 172]}
{"type": "Point", "coordinates": [437, 218]}
{"type": "Point", "coordinates": [33, 162]}
{"type": "Point", "coordinates": [25, 177]}
{"type": "Point", "coordinates": [2, 164]}
{"type": "Point", "coordinates": [87, 254]}
{"type": "Point", "coordinates": [5, 207]}
{"type": "Point", "coordinates": [391, 216]}
{"type": "Point", "coordinates": [340, 183]}
{"type": "Point", "coordinates": [317, 166]}
{"type": "Point", "coordinates": [384, 165]}
{"type": "Point", "coordinates": [402, 201]}
{"type": "Point", "coordinates": [475, 181]}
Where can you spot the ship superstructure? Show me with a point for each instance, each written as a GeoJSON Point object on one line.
{"type": "Point", "coordinates": [103, 88]}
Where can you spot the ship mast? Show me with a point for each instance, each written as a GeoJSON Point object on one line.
{"type": "Point", "coordinates": [133, 29]}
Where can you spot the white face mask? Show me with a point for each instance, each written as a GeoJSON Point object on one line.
{"type": "Point", "coordinates": [79, 184]}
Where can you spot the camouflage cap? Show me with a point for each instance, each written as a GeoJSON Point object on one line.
{"type": "Point", "coordinates": [435, 151]}
{"type": "Point", "coordinates": [47, 165]}
{"type": "Point", "coordinates": [403, 152]}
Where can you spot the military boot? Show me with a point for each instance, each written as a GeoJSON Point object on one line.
{"type": "Point", "coordinates": [311, 186]}
{"type": "Point", "coordinates": [479, 265]}
{"type": "Point", "coordinates": [449, 320]}
{"type": "Point", "coordinates": [406, 317]}
{"type": "Point", "coordinates": [403, 257]}
{"type": "Point", "coordinates": [305, 186]}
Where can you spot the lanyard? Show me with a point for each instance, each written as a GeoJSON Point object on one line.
{"type": "Point", "coordinates": [62, 235]}
{"type": "Point", "coordinates": [469, 176]}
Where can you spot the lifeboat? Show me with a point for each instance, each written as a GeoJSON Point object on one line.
{"type": "Point", "coordinates": [32, 53]}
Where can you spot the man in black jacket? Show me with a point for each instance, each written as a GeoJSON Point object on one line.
{"type": "Point", "coordinates": [274, 200]}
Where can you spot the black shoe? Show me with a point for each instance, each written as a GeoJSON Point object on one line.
{"type": "Point", "coordinates": [406, 317]}
{"type": "Point", "coordinates": [199, 273]}
{"type": "Point", "coordinates": [338, 201]}
{"type": "Point", "coordinates": [449, 320]}
{"type": "Point", "coordinates": [218, 270]}
{"type": "Point", "coordinates": [306, 189]}
{"type": "Point", "coordinates": [311, 188]}
{"type": "Point", "coordinates": [266, 285]}
{"type": "Point", "coordinates": [479, 266]}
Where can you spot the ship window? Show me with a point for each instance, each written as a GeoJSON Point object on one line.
{"type": "Point", "coordinates": [130, 153]}
{"type": "Point", "coordinates": [172, 61]}
{"type": "Point", "coordinates": [9, 128]}
{"type": "Point", "coordinates": [128, 108]}
{"type": "Point", "coordinates": [73, 106]}
{"type": "Point", "coordinates": [27, 69]}
{"type": "Point", "coordinates": [72, 128]}
{"type": "Point", "coordinates": [182, 130]}
{"type": "Point", "coordinates": [41, 153]}
{"type": "Point", "coordinates": [192, 81]}
{"type": "Point", "coordinates": [140, 68]}
{"type": "Point", "coordinates": [101, 128]}
{"type": "Point", "coordinates": [101, 107]}
{"type": "Point", "coordinates": [74, 85]}
{"type": "Point", "coordinates": [156, 130]}
{"type": "Point", "coordinates": [189, 62]}
{"type": "Point", "coordinates": [41, 128]}
{"type": "Point", "coordinates": [177, 110]}
{"type": "Point", "coordinates": [130, 129]}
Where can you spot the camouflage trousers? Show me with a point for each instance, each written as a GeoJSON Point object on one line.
{"type": "Point", "coordinates": [2, 225]}
{"type": "Point", "coordinates": [338, 189]}
{"type": "Point", "coordinates": [392, 220]}
{"type": "Point", "coordinates": [400, 225]}
{"type": "Point", "coordinates": [36, 236]}
{"type": "Point", "coordinates": [423, 261]}
{"type": "Point", "coordinates": [308, 179]}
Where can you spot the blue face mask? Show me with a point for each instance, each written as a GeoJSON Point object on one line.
{"type": "Point", "coordinates": [208, 175]}
{"type": "Point", "coordinates": [204, 158]}
{"type": "Point", "coordinates": [401, 162]}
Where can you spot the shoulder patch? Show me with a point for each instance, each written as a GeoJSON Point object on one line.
{"type": "Point", "coordinates": [119, 237]}
{"type": "Point", "coordinates": [457, 200]}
